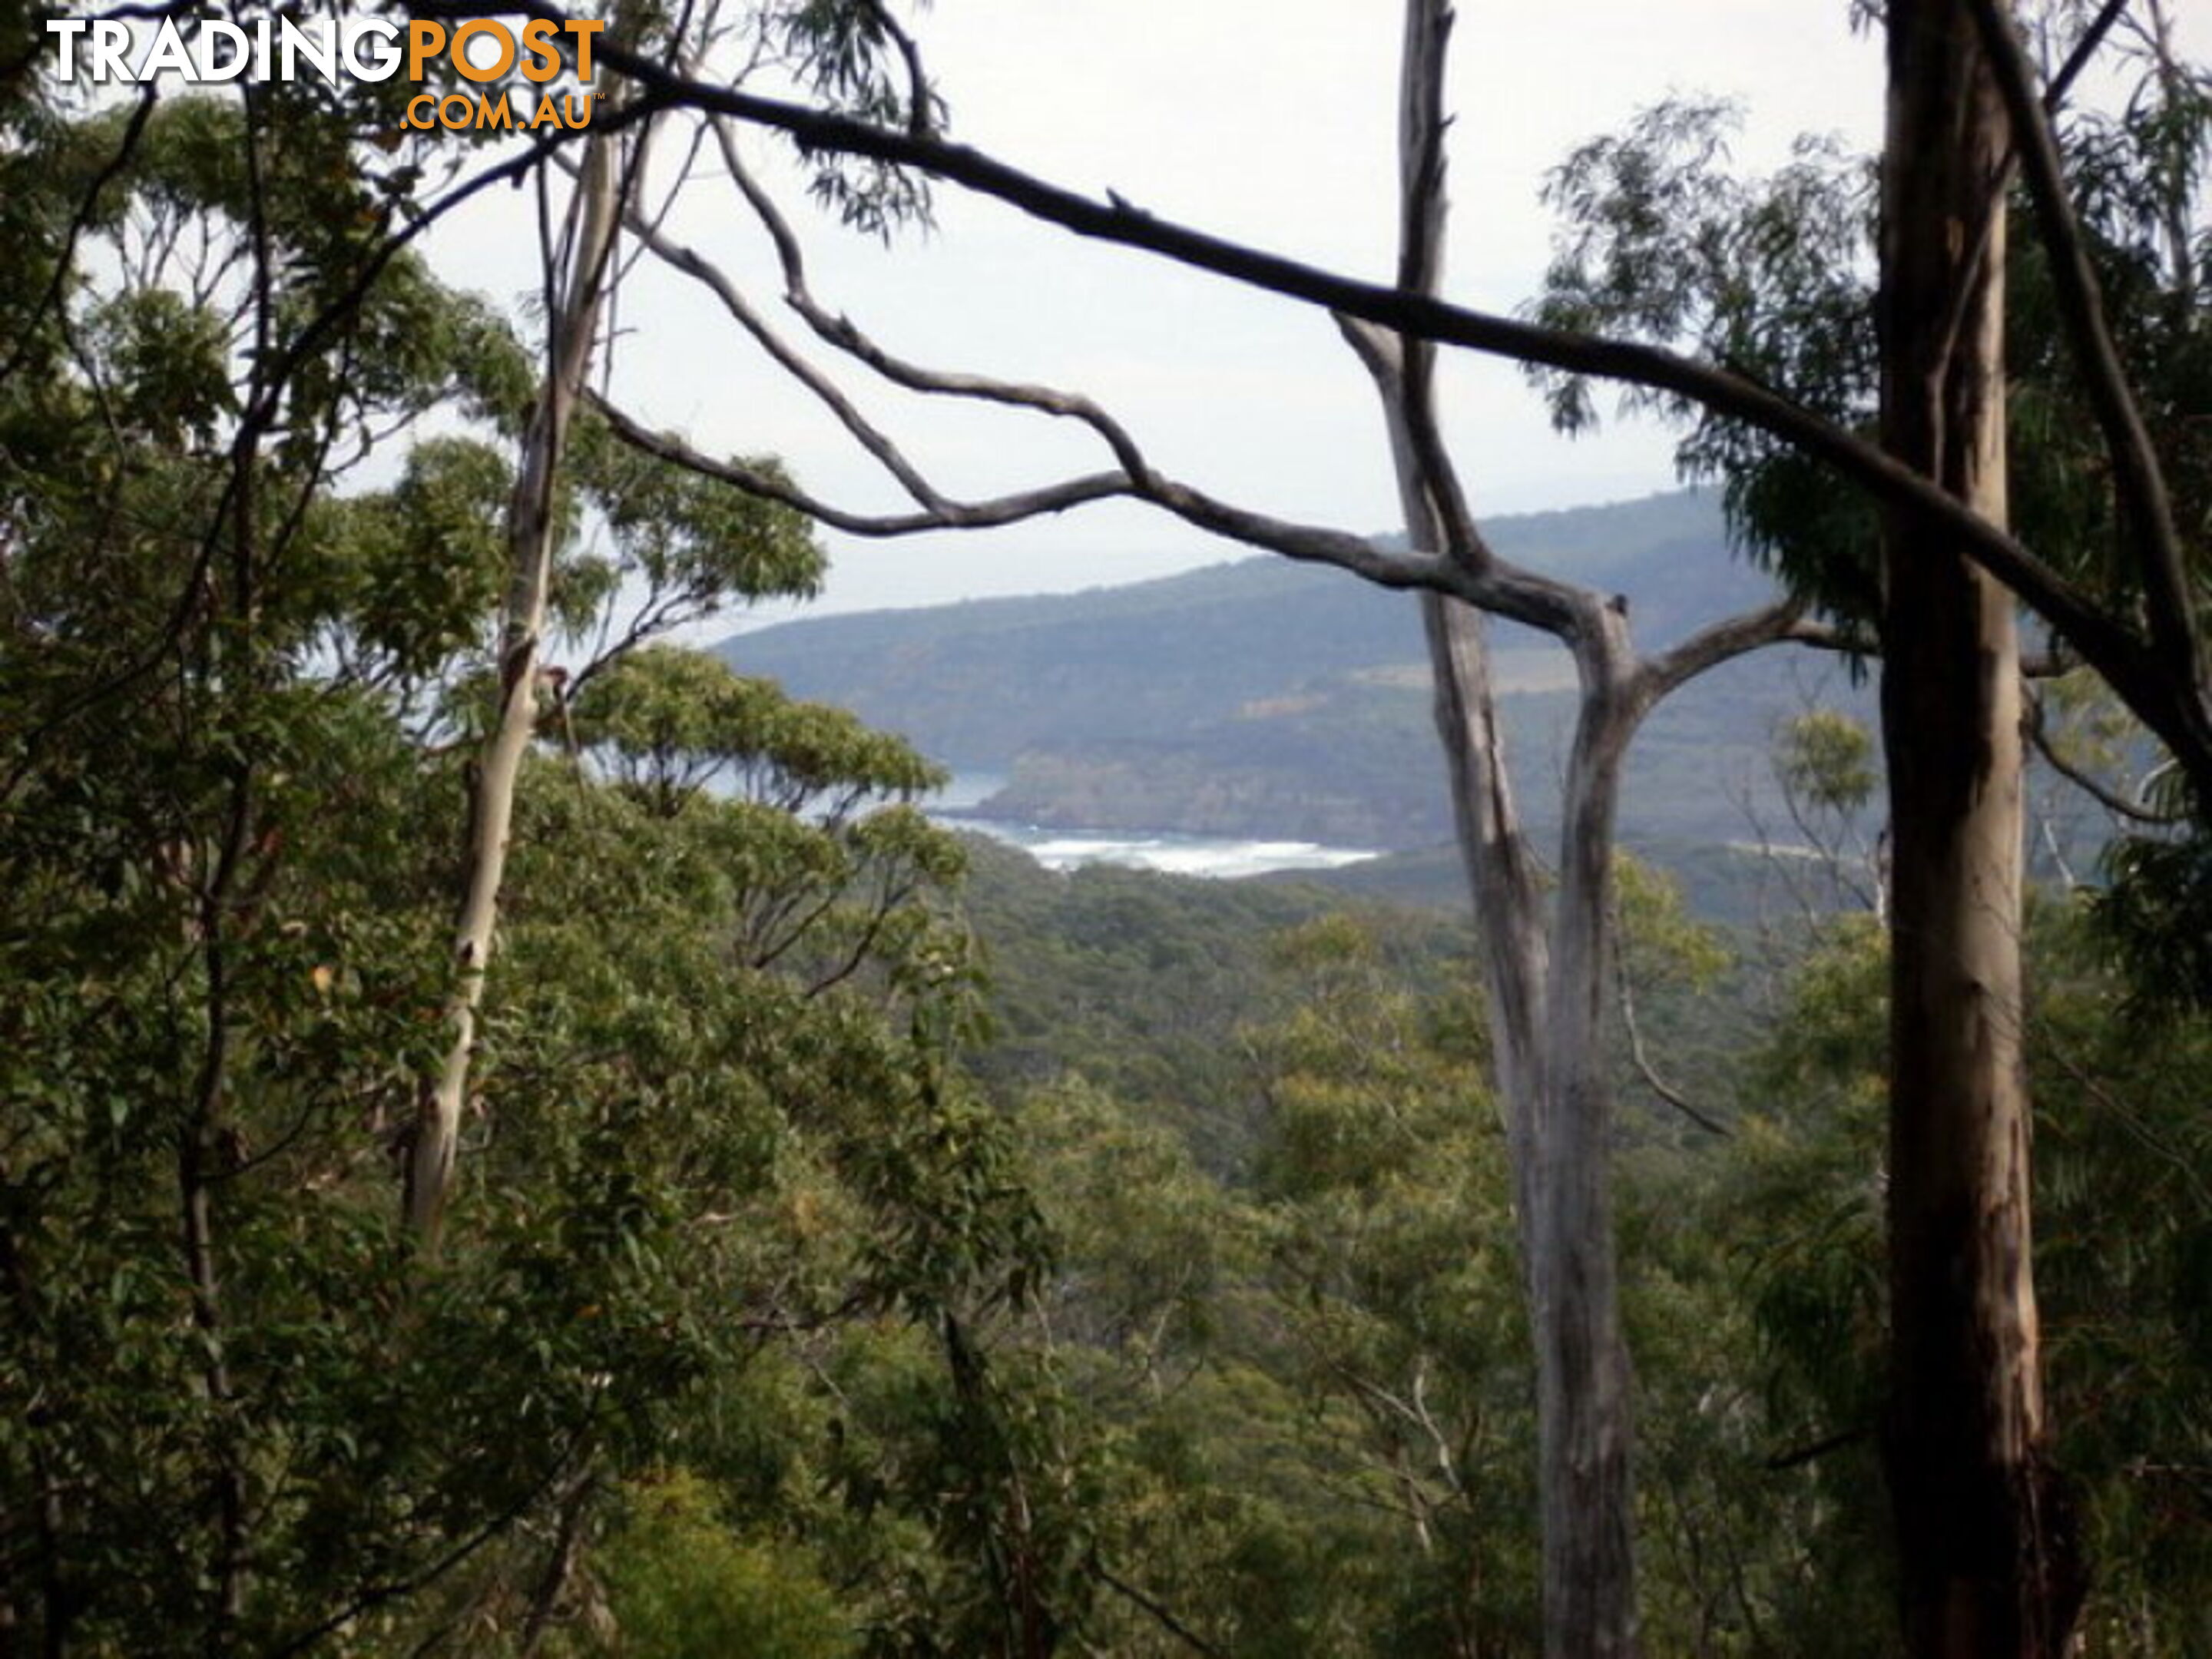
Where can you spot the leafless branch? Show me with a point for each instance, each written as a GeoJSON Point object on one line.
{"type": "Point", "coordinates": [1137, 478]}
{"type": "Point", "coordinates": [2085, 49]}
{"type": "Point", "coordinates": [1157, 1611]}
{"type": "Point", "coordinates": [1724, 640]}
{"type": "Point", "coordinates": [1481, 578]}
{"type": "Point", "coordinates": [700, 268]}
{"type": "Point", "coordinates": [1796, 1457]}
{"type": "Point", "coordinates": [838, 332]}
{"type": "Point", "coordinates": [1642, 1060]}
{"type": "Point", "coordinates": [2157, 688]}
{"type": "Point", "coordinates": [2176, 712]}
{"type": "Point", "coordinates": [943, 514]}
{"type": "Point", "coordinates": [2038, 735]}
{"type": "Point", "coordinates": [2171, 704]}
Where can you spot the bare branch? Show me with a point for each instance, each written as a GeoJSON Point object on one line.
{"type": "Point", "coordinates": [1724, 640]}
{"type": "Point", "coordinates": [1781, 1461]}
{"type": "Point", "coordinates": [1605, 359]}
{"type": "Point", "coordinates": [2039, 736]}
{"type": "Point", "coordinates": [700, 270]}
{"type": "Point", "coordinates": [1157, 1611]}
{"type": "Point", "coordinates": [2163, 691]}
{"type": "Point", "coordinates": [2085, 49]}
{"type": "Point", "coordinates": [943, 515]}
{"type": "Point", "coordinates": [1437, 510]}
{"type": "Point", "coordinates": [838, 331]}
{"type": "Point", "coordinates": [1310, 544]}
{"type": "Point", "coordinates": [2176, 711]}
{"type": "Point", "coordinates": [1641, 1060]}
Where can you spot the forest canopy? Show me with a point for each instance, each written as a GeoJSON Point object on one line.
{"type": "Point", "coordinates": [520, 1136]}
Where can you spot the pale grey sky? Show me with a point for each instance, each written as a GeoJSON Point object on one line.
{"type": "Point", "coordinates": [1268, 120]}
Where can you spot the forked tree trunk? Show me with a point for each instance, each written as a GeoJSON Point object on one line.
{"type": "Point", "coordinates": [1545, 980]}
{"type": "Point", "coordinates": [1546, 984]}
{"type": "Point", "coordinates": [1987, 1564]}
{"type": "Point", "coordinates": [1494, 852]}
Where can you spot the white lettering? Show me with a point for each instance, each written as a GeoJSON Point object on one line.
{"type": "Point", "coordinates": [67, 29]}
{"type": "Point", "coordinates": [215, 50]}
{"type": "Point", "coordinates": [215, 32]}
{"type": "Point", "coordinates": [315, 46]}
{"type": "Point", "coordinates": [381, 63]}
{"type": "Point", "coordinates": [109, 40]}
{"type": "Point", "coordinates": [167, 55]}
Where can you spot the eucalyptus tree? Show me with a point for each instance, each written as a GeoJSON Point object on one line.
{"type": "Point", "coordinates": [1549, 969]}
{"type": "Point", "coordinates": [577, 276]}
{"type": "Point", "coordinates": [239, 678]}
{"type": "Point", "coordinates": [1966, 1396]}
{"type": "Point", "coordinates": [1988, 1559]}
{"type": "Point", "coordinates": [1989, 1556]}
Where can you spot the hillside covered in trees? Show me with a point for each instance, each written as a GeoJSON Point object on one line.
{"type": "Point", "coordinates": [521, 1137]}
{"type": "Point", "coordinates": [1264, 699]}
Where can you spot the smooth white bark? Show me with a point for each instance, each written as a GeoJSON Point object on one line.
{"type": "Point", "coordinates": [594, 222]}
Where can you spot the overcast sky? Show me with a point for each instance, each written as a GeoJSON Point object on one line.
{"type": "Point", "coordinates": [1267, 120]}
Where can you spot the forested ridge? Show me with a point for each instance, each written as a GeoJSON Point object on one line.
{"type": "Point", "coordinates": [1261, 700]}
{"type": "Point", "coordinates": [520, 1136]}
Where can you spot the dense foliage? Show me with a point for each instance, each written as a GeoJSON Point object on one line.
{"type": "Point", "coordinates": [867, 1243]}
{"type": "Point", "coordinates": [1295, 1349]}
{"type": "Point", "coordinates": [717, 1151]}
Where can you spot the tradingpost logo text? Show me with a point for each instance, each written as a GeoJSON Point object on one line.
{"type": "Point", "coordinates": [482, 50]}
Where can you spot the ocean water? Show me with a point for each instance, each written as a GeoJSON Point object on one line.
{"type": "Point", "coordinates": [1058, 849]}
{"type": "Point", "coordinates": [1175, 854]}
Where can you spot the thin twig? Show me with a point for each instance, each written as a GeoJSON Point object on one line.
{"type": "Point", "coordinates": [1157, 1610]}
{"type": "Point", "coordinates": [2039, 737]}
{"type": "Point", "coordinates": [1641, 1060]}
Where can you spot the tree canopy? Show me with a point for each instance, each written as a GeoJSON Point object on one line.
{"type": "Point", "coordinates": [509, 1138]}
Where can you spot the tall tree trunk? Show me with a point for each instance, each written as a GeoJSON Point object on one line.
{"type": "Point", "coordinates": [1545, 989]}
{"type": "Point", "coordinates": [1986, 1560]}
{"type": "Point", "coordinates": [1494, 852]}
{"type": "Point", "coordinates": [1545, 985]}
{"type": "Point", "coordinates": [531, 533]}
{"type": "Point", "coordinates": [1585, 1418]}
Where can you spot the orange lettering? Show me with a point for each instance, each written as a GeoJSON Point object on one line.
{"type": "Point", "coordinates": [425, 40]}
{"type": "Point", "coordinates": [544, 57]}
{"type": "Point", "coordinates": [478, 28]}
{"type": "Point", "coordinates": [584, 31]}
